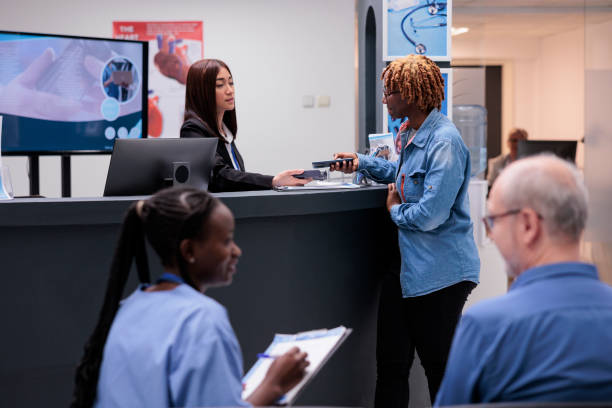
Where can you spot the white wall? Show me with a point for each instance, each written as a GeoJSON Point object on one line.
{"type": "Point", "coordinates": [544, 91]}
{"type": "Point", "coordinates": [278, 51]}
{"type": "Point", "coordinates": [561, 87]}
{"type": "Point", "coordinates": [517, 58]}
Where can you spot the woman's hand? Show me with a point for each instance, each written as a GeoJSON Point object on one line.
{"type": "Point", "coordinates": [285, 178]}
{"type": "Point", "coordinates": [344, 166]}
{"type": "Point", "coordinates": [285, 373]}
{"type": "Point", "coordinates": [393, 197]}
{"type": "Point", "coordinates": [287, 370]}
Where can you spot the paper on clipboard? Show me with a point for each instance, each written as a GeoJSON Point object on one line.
{"type": "Point", "coordinates": [319, 344]}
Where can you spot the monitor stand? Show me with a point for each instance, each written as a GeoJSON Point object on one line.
{"type": "Point", "coordinates": [66, 176]}
{"type": "Point", "coordinates": [34, 175]}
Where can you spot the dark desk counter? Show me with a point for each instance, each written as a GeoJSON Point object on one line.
{"type": "Point", "coordinates": [253, 204]}
{"type": "Point", "coordinates": [311, 259]}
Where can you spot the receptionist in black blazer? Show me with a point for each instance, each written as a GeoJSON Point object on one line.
{"type": "Point", "coordinates": [210, 112]}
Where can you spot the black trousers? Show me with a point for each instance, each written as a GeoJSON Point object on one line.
{"type": "Point", "coordinates": [423, 323]}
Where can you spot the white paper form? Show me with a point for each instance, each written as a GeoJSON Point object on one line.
{"type": "Point", "coordinates": [319, 344]}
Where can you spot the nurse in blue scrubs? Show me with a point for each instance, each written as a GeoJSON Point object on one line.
{"type": "Point", "coordinates": [168, 344]}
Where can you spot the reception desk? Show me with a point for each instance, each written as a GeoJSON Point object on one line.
{"type": "Point", "coordinates": [311, 259]}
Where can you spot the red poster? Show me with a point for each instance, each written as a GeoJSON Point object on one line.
{"type": "Point", "coordinates": [173, 47]}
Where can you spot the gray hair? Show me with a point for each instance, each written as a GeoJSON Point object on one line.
{"type": "Point", "coordinates": [553, 188]}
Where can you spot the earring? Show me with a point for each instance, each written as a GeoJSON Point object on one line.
{"type": "Point", "coordinates": [191, 260]}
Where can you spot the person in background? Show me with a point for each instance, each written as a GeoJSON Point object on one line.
{"type": "Point", "coordinates": [428, 201]}
{"type": "Point", "coordinates": [549, 338]}
{"type": "Point", "coordinates": [497, 164]}
{"type": "Point", "coordinates": [121, 88]}
{"type": "Point", "coordinates": [168, 344]}
{"type": "Point", "coordinates": [210, 111]}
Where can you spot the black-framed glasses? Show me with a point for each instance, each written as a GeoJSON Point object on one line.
{"type": "Point", "coordinates": [386, 93]}
{"type": "Point", "coordinates": [489, 220]}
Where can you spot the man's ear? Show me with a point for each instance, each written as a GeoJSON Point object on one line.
{"type": "Point", "coordinates": [531, 226]}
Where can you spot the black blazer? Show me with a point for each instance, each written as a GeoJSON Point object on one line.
{"type": "Point", "coordinates": [225, 177]}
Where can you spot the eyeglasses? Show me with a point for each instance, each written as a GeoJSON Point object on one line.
{"type": "Point", "coordinates": [386, 93]}
{"type": "Point", "coordinates": [488, 220]}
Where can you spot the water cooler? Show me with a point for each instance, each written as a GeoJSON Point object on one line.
{"type": "Point", "coordinates": [471, 120]}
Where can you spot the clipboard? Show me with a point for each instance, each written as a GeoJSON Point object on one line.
{"type": "Point", "coordinates": [122, 78]}
{"type": "Point", "coordinates": [319, 344]}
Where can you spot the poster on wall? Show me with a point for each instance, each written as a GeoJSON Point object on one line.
{"type": "Point", "coordinates": [173, 47]}
{"type": "Point", "coordinates": [392, 125]}
{"type": "Point", "coordinates": [417, 27]}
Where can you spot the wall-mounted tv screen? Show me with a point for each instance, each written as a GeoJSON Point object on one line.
{"type": "Point", "coordinates": [65, 94]}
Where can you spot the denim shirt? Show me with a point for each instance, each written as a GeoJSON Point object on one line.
{"type": "Point", "coordinates": [434, 226]}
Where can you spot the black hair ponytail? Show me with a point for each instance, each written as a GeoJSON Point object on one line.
{"type": "Point", "coordinates": [131, 246]}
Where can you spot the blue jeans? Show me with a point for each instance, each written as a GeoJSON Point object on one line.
{"type": "Point", "coordinates": [422, 323]}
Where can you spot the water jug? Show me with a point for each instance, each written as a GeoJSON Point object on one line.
{"type": "Point", "coordinates": [471, 120]}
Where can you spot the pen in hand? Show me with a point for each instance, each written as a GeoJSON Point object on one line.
{"type": "Point", "coordinates": [265, 355]}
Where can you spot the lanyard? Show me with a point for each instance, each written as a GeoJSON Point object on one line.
{"type": "Point", "coordinates": [401, 161]}
{"type": "Point", "coordinates": [170, 277]}
{"type": "Point", "coordinates": [404, 147]}
{"type": "Point", "coordinates": [236, 164]}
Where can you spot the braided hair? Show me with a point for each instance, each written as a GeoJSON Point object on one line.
{"type": "Point", "coordinates": [418, 79]}
{"type": "Point", "coordinates": [166, 219]}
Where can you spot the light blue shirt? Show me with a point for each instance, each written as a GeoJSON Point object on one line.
{"type": "Point", "coordinates": [548, 339]}
{"type": "Point", "coordinates": [170, 348]}
{"type": "Point", "coordinates": [432, 175]}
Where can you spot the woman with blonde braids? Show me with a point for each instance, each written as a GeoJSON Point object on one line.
{"type": "Point", "coordinates": [428, 201]}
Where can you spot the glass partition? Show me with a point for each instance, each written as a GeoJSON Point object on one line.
{"type": "Point", "coordinates": [598, 133]}
{"type": "Point", "coordinates": [544, 66]}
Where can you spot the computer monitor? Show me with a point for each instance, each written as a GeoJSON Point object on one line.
{"type": "Point", "coordinates": [70, 95]}
{"type": "Point", "coordinates": [565, 149]}
{"type": "Point", "coordinates": [144, 166]}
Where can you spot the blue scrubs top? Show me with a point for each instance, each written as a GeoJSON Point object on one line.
{"type": "Point", "coordinates": [170, 348]}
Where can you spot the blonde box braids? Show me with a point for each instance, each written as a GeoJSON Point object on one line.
{"type": "Point", "coordinates": [418, 79]}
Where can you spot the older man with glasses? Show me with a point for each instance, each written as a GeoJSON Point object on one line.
{"type": "Point", "coordinates": [550, 338]}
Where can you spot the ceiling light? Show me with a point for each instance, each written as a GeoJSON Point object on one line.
{"type": "Point", "coordinates": [459, 30]}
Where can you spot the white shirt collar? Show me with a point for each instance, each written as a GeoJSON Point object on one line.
{"type": "Point", "coordinates": [228, 136]}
